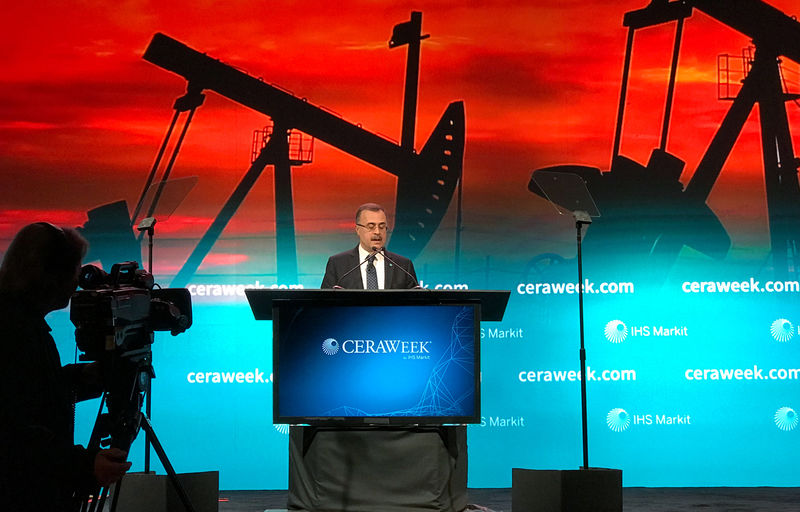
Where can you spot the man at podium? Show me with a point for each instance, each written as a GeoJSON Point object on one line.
{"type": "Point", "coordinates": [376, 468]}
{"type": "Point", "coordinates": [369, 265]}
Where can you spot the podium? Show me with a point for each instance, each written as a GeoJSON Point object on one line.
{"type": "Point", "coordinates": [493, 302]}
{"type": "Point", "coordinates": [391, 464]}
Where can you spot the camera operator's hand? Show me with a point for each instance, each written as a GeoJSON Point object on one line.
{"type": "Point", "coordinates": [110, 466]}
{"type": "Point", "coordinates": [86, 379]}
{"type": "Point", "coordinates": [92, 374]}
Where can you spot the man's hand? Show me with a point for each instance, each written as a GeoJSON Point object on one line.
{"type": "Point", "coordinates": [110, 466]}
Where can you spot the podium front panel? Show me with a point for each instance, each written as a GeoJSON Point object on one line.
{"type": "Point", "coordinates": [357, 364]}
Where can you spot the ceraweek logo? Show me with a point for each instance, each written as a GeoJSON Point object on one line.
{"type": "Point", "coordinates": [330, 346]}
{"type": "Point", "coordinates": [616, 331]}
{"type": "Point", "coordinates": [619, 419]}
{"type": "Point", "coordinates": [413, 349]}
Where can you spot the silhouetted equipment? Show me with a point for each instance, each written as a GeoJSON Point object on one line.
{"type": "Point", "coordinates": [639, 204]}
{"type": "Point", "coordinates": [186, 103]}
{"type": "Point", "coordinates": [301, 146]}
{"type": "Point", "coordinates": [108, 228]}
{"type": "Point", "coordinates": [630, 189]}
{"type": "Point", "coordinates": [425, 181]}
{"type": "Point", "coordinates": [409, 33]}
{"type": "Point", "coordinates": [729, 79]}
{"type": "Point", "coordinates": [111, 239]}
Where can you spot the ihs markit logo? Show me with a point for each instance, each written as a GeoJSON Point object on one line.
{"type": "Point", "coordinates": [616, 331]}
{"type": "Point", "coordinates": [618, 419]}
{"type": "Point", "coordinates": [782, 330]}
{"type": "Point", "coordinates": [786, 419]}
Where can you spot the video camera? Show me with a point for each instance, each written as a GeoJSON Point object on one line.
{"type": "Point", "coordinates": [120, 310]}
{"type": "Point", "coordinates": [115, 316]}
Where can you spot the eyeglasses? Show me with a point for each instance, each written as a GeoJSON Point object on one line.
{"type": "Point", "coordinates": [371, 226]}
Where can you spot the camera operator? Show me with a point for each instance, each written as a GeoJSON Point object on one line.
{"type": "Point", "coordinates": [40, 467]}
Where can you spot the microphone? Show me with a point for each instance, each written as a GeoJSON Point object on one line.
{"type": "Point", "coordinates": [382, 250]}
{"type": "Point", "coordinates": [375, 250]}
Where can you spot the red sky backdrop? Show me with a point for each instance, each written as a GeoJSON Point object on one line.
{"type": "Point", "coordinates": [82, 115]}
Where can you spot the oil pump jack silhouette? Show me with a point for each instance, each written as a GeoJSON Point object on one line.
{"type": "Point", "coordinates": [425, 181]}
{"type": "Point", "coordinates": [646, 210]}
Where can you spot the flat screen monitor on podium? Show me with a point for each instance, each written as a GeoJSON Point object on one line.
{"type": "Point", "coordinates": [358, 364]}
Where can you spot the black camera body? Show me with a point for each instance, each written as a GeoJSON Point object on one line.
{"type": "Point", "coordinates": [115, 316]}
{"type": "Point", "coordinates": [119, 311]}
{"type": "Point", "coordinates": [111, 320]}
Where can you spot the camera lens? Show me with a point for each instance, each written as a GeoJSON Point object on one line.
{"type": "Point", "coordinates": [92, 277]}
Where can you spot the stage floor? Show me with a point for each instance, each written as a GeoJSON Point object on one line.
{"type": "Point", "coordinates": [635, 499]}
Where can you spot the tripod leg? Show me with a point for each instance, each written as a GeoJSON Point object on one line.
{"type": "Point", "coordinates": [99, 500]}
{"type": "Point", "coordinates": [162, 456]}
{"type": "Point", "coordinates": [115, 498]}
{"type": "Point", "coordinates": [98, 431]}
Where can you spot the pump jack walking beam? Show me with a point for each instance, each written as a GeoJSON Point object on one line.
{"type": "Point", "coordinates": [426, 180]}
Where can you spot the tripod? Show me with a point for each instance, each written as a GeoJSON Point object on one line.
{"type": "Point", "coordinates": [129, 375]}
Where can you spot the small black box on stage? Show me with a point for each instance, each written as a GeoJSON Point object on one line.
{"type": "Point", "coordinates": [580, 490]}
{"type": "Point", "coordinates": [155, 493]}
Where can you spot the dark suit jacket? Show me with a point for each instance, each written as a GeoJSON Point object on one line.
{"type": "Point", "coordinates": [395, 278]}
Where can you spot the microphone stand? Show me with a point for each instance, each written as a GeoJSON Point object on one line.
{"type": "Point", "coordinates": [382, 250]}
{"type": "Point", "coordinates": [336, 286]}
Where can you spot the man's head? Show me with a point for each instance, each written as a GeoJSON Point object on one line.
{"type": "Point", "coordinates": [42, 264]}
{"type": "Point", "coordinates": [371, 226]}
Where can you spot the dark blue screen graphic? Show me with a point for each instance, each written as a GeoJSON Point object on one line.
{"type": "Point", "coordinates": [390, 364]}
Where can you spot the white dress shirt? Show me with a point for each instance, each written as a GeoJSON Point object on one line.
{"type": "Point", "coordinates": [379, 267]}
